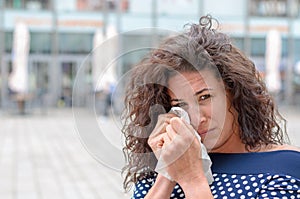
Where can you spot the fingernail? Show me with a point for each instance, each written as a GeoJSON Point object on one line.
{"type": "Point", "coordinates": [175, 122]}
{"type": "Point", "coordinates": [168, 127]}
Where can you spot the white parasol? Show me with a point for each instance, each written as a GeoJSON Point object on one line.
{"type": "Point", "coordinates": [18, 79]}
{"type": "Point", "coordinates": [104, 68]}
{"type": "Point", "coordinates": [97, 55]}
{"type": "Point", "coordinates": [273, 55]}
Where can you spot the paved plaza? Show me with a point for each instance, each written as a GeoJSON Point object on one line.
{"type": "Point", "coordinates": [43, 157]}
{"type": "Point", "coordinates": [49, 156]}
{"type": "Point", "coordinates": [292, 115]}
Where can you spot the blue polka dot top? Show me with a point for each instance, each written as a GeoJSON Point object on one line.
{"type": "Point", "coordinates": [274, 174]}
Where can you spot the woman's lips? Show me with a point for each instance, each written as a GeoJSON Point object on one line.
{"type": "Point", "coordinates": [203, 132]}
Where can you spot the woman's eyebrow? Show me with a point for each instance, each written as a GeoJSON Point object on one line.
{"type": "Point", "coordinates": [197, 93]}
{"type": "Point", "coordinates": [176, 100]}
{"type": "Point", "coordinates": [202, 90]}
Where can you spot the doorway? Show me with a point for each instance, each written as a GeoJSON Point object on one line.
{"type": "Point", "coordinates": [39, 83]}
{"type": "Point", "coordinates": [68, 73]}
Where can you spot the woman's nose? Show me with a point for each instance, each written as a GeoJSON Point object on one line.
{"type": "Point", "coordinates": [197, 116]}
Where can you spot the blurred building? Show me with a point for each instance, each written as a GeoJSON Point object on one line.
{"type": "Point", "coordinates": [62, 34]}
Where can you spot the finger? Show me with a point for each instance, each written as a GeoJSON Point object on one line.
{"type": "Point", "coordinates": [171, 132]}
{"type": "Point", "coordinates": [156, 142]}
{"type": "Point", "coordinates": [162, 122]}
{"type": "Point", "coordinates": [179, 126]}
{"type": "Point", "coordinates": [167, 140]}
{"type": "Point", "coordinates": [170, 151]}
{"type": "Point", "coordinates": [165, 117]}
{"type": "Point", "coordinates": [184, 130]}
{"type": "Point", "coordinates": [159, 128]}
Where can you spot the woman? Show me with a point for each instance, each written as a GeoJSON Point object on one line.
{"type": "Point", "coordinates": [229, 107]}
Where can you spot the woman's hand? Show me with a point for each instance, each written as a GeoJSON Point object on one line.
{"type": "Point", "coordinates": [156, 138]}
{"type": "Point", "coordinates": [182, 152]}
{"type": "Point", "coordinates": [177, 144]}
{"type": "Point", "coordinates": [162, 187]}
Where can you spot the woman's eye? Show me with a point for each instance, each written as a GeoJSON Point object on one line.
{"type": "Point", "coordinates": [179, 104]}
{"type": "Point", "coordinates": [204, 97]}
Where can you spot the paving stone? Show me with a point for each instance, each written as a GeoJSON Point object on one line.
{"type": "Point", "coordinates": [45, 157]}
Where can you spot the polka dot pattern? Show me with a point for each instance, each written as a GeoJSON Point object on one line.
{"type": "Point", "coordinates": [142, 187]}
{"type": "Point", "coordinates": [256, 186]}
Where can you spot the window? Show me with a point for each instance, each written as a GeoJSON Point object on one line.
{"type": "Point", "coordinates": [8, 41]}
{"type": "Point", "coordinates": [238, 42]}
{"type": "Point", "coordinates": [40, 42]}
{"type": "Point", "coordinates": [28, 4]}
{"type": "Point", "coordinates": [258, 47]}
{"type": "Point", "coordinates": [273, 8]}
{"type": "Point", "coordinates": [91, 5]}
{"type": "Point", "coordinates": [76, 43]}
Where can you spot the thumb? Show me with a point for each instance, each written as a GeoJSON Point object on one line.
{"type": "Point", "coordinates": [166, 139]}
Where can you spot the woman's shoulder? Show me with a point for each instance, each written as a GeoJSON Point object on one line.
{"type": "Point", "coordinates": [285, 147]}
{"type": "Point", "coordinates": [288, 153]}
{"type": "Point", "coordinates": [283, 159]}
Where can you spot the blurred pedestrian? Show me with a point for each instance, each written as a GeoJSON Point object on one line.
{"type": "Point", "coordinates": [109, 102]}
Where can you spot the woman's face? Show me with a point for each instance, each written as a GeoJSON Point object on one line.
{"type": "Point", "coordinates": [203, 96]}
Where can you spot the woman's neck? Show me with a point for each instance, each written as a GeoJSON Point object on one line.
{"type": "Point", "coordinates": [233, 144]}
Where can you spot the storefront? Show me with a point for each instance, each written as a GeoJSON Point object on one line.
{"type": "Point", "coordinates": [62, 38]}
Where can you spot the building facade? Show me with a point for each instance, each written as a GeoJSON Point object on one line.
{"type": "Point", "coordinates": [62, 34]}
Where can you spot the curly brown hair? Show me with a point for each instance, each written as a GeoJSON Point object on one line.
{"type": "Point", "coordinates": [198, 47]}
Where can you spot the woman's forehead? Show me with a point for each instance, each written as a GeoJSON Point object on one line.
{"type": "Point", "coordinates": [204, 78]}
{"type": "Point", "coordinates": [191, 82]}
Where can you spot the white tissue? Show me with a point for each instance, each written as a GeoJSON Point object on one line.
{"type": "Point", "coordinates": [206, 162]}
